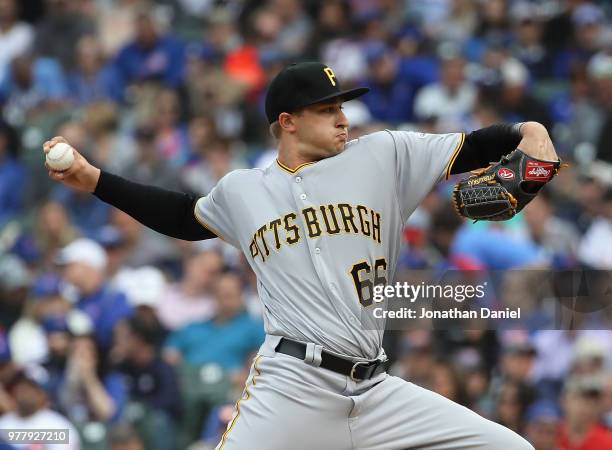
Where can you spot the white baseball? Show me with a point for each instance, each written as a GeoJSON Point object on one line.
{"type": "Point", "coordinates": [60, 156]}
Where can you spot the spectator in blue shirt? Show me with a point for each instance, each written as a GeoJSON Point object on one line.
{"type": "Point", "coordinates": [150, 56]}
{"type": "Point", "coordinates": [12, 176]}
{"type": "Point", "coordinates": [588, 25]}
{"type": "Point", "coordinates": [542, 421]}
{"type": "Point", "coordinates": [89, 389]}
{"type": "Point", "coordinates": [84, 263]}
{"type": "Point", "coordinates": [416, 68]}
{"type": "Point", "coordinates": [227, 340]}
{"type": "Point", "coordinates": [88, 213]}
{"type": "Point", "coordinates": [32, 86]}
{"type": "Point", "coordinates": [150, 379]}
{"type": "Point", "coordinates": [77, 380]}
{"type": "Point", "coordinates": [528, 47]}
{"type": "Point", "coordinates": [390, 98]}
{"type": "Point", "coordinates": [92, 81]}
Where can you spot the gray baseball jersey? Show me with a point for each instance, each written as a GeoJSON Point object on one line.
{"type": "Point", "coordinates": [321, 235]}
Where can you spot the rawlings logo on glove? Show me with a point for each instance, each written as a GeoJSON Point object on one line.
{"type": "Point", "coordinates": [505, 174]}
{"type": "Point", "coordinates": [539, 171]}
{"type": "Point", "coordinates": [503, 189]}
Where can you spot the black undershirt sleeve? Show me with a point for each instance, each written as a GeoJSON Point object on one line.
{"type": "Point", "coordinates": [486, 145]}
{"type": "Point", "coordinates": [167, 212]}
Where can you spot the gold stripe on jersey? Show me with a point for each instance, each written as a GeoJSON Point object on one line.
{"type": "Point", "coordinates": [245, 396]}
{"type": "Point", "coordinates": [454, 155]}
{"type": "Point", "coordinates": [293, 171]}
{"type": "Point", "coordinates": [206, 225]}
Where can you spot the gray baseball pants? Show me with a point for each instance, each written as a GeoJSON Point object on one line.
{"type": "Point", "coordinates": [289, 404]}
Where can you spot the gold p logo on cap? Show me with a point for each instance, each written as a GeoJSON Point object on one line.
{"type": "Point", "coordinates": [331, 75]}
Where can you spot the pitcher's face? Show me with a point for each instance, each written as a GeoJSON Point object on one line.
{"type": "Point", "coordinates": [322, 129]}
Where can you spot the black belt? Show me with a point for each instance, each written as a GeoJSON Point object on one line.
{"type": "Point", "coordinates": [360, 370]}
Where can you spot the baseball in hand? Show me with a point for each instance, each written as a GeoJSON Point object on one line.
{"type": "Point", "coordinates": [60, 157]}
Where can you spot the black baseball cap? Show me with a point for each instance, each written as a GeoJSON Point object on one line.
{"type": "Point", "coordinates": [303, 84]}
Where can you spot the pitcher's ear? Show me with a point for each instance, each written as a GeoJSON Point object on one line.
{"type": "Point", "coordinates": [286, 121]}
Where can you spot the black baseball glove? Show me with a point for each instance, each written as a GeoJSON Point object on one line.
{"type": "Point", "coordinates": [503, 189]}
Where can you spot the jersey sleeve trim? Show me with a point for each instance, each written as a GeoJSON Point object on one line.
{"type": "Point", "coordinates": [206, 225]}
{"type": "Point", "coordinates": [449, 166]}
{"type": "Point", "coordinates": [293, 171]}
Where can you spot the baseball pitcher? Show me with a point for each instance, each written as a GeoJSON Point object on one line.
{"type": "Point", "coordinates": [320, 227]}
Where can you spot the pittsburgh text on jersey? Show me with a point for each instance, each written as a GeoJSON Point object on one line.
{"type": "Point", "coordinates": [341, 218]}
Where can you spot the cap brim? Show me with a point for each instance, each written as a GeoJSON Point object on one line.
{"type": "Point", "coordinates": [345, 96]}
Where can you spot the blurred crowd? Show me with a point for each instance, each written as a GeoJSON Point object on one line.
{"type": "Point", "coordinates": [137, 341]}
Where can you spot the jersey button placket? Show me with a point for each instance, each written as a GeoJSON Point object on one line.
{"type": "Point", "coordinates": [299, 192]}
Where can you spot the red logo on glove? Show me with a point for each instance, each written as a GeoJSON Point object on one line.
{"type": "Point", "coordinates": [538, 171]}
{"type": "Point", "coordinates": [505, 174]}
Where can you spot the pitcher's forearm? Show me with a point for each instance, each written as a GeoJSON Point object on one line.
{"type": "Point", "coordinates": [536, 142]}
